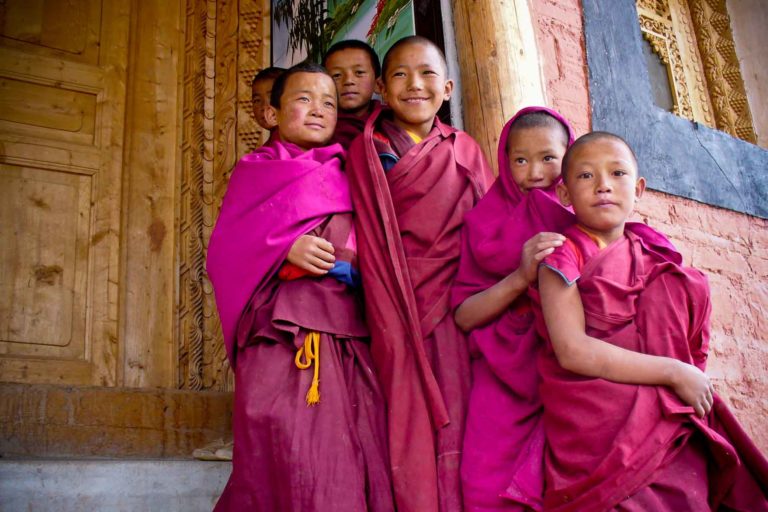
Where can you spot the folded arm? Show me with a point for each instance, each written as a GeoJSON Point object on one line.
{"type": "Point", "coordinates": [580, 353]}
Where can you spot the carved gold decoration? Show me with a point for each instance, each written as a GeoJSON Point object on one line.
{"type": "Point", "coordinates": [721, 67]}
{"type": "Point", "coordinates": [660, 35]}
{"type": "Point", "coordinates": [693, 38]}
{"type": "Point", "coordinates": [253, 57]}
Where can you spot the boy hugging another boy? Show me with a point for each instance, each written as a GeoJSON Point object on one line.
{"type": "Point", "coordinates": [354, 67]}
{"type": "Point", "coordinates": [412, 180]}
{"type": "Point", "coordinates": [309, 419]}
{"type": "Point", "coordinates": [631, 447]}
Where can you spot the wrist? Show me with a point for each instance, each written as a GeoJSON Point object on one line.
{"type": "Point", "coordinates": [673, 372]}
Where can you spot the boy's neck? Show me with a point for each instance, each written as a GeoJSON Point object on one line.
{"type": "Point", "coordinates": [360, 112]}
{"type": "Point", "coordinates": [602, 238]}
{"type": "Point", "coordinates": [420, 131]}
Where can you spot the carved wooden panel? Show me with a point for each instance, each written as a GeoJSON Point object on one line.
{"type": "Point", "coordinates": [62, 90]}
{"type": "Point", "coordinates": [224, 48]}
{"type": "Point", "coordinates": [693, 38]}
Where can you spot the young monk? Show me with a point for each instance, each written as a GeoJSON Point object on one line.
{"type": "Point", "coordinates": [354, 67]}
{"type": "Point", "coordinates": [309, 419]}
{"type": "Point", "coordinates": [261, 89]}
{"type": "Point", "coordinates": [413, 179]}
{"type": "Point", "coordinates": [622, 446]}
{"type": "Point", "coordinates": [504, 239]}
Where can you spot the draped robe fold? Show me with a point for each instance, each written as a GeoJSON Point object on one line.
{"type": "Point", "coordinates": [631, 447]}
{"type": "Point", "coordinates": [349, 126]}
{"type": "Point", "coordinates": [289, 456]}
{"type": "Point", "coordinates": [502, 465]}
{"type": "Point", "coordinates": [408, 223]}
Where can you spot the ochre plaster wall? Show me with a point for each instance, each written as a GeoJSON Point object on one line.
{"type": "Point", "coordinates": [729, 247]}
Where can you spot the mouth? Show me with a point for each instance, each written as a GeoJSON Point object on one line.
{"type": "Point", "coordinates": [604, 203]}
{"type": "Point", "coordinates": [415, 101]}
{"type": "Point", "coordinates": [315, 126]}
{"type": "Point", "coordinates": [349, 94]}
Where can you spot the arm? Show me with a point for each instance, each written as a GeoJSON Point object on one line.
{"type": "Point", "coordinates": [481, 308]}
{"type": "Point", "coordinates": [585, 355]}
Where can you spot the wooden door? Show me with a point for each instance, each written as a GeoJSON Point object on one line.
{"type": "Point", "coordinates": [62, 104]}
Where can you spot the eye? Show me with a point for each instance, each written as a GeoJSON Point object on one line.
{"type": "Point", "coordinates": [360, 72]}
{"type": "Point", "coordinates": [584, 175]}
{"type": "Point", "coordinates": [520, 161]}
{"type": "Point", "coordinates": [620, 172]}
{"type": "Point", "coordinates": [336, 76]}
{"type": "Point", "coordinates": [429, 72]}
{"type": "Point", "coordinates": [331, 105]}
{"type": "Point", "coordinates": [550, 158]}
{"type": "Point", "coordinates": [303, 99]}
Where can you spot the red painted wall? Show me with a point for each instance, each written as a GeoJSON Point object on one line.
{"type": "Point", "coordinates": [731, 248]}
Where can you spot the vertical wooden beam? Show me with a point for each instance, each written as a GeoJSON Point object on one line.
{"type": "Point", "coordinates": [499, 64]}
{"type": "Point", "coordinates": [149, 197]}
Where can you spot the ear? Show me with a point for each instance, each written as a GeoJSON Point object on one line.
{"type": "Point", "coordinates": [381, 88]}
{"type": "Point", "coordinates": [448, 90]}
{"type": "Point", "coordinates": [270, 116]}
{"type": "Point", "coordinates": [639, 188]}
{"type": "Point", "coordinates": [562, 194]}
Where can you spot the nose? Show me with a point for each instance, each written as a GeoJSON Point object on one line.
{"type": "Point", "coordinates": [535, 172]}
{"type": "Point", "coordinates": [348, 78]}
{"type": "Point", "coordinates": [316, 109]}
{"type": "Point", "coordinates": [604, 184]}
{"type": "Point", "coordinates": [415, 82]}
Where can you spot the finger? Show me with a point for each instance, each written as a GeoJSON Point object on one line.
{"type": "Point", "coordinates": [548, 235]}
{"type": "Point", "coordinates": [312, 269]}
{"type": "Point", "coordinates": [325, 245]}
{"type": "Point", "coordinates": [699, 410]}
{"type": "Point", "coordinates": [323, 255]}
{"type": "Point", "coordinates": [319, 263]}
{"type": "Point", "coordinates": [547, 244]}
{"type": "Point", "coordinates": [543, 254]}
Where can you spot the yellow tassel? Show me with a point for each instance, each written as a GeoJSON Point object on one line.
{"type": "Point", "coordinates": [311, 353]}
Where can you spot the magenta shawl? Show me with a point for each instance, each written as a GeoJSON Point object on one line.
{"type": "Point", "coordinates": [504, 441]}
{"type": "Point", "coordinates": [275, 195]}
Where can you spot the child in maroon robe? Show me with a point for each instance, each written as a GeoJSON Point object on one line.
{"type": "Point", "coordinates": [261, 90]}
{"type": "Point", "coordinates": [413, 179]}
{"type": "Point", "coordinates": [355, 68]}
{"type": "Point", "coordinates": [617, 446]}
{"type": "Point", "coordinates": [309, 420]}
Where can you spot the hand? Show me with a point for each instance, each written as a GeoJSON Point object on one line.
{"type": "Point", "coordinates": [693, 387]}
{"type": "Point", "coordinates": [536, 249]}
{"type": "Point", "coordinates": [313, 254]}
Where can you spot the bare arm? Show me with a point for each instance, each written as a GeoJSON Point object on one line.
{"type": "Point", "coordinates": [487, 305]}
{"type": "Point", "coordinates": [585, 355]}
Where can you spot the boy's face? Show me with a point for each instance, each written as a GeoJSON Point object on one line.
{"type": "Point", "coordinates": [535, 155]}
{"type": "Point", "coordinates": [415, 86]}
{"type": "Point", "coordinates": [260, 93]}
{"type": "Point", "coordinates": [355, 79]}
{"type": "Point", "coordinates": [601, 184]}
{"type": "Point", "coordinates": [307, 113]}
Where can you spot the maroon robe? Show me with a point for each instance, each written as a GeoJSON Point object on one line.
{"type": "Point", "coordinates": [631, 447]}
{"type": "Point", "coordinates": [349, 126]}
{"type": "Point", "coordinates": [408, 225]}
{"type": "Point", "coordinates": [289, 456]}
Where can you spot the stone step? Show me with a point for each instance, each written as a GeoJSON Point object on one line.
{"type": "Point", "coordinates": [110, 485]}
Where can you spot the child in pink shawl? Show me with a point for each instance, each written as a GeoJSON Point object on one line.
{"type": "Point", "coordinates": [308, 420]}
{"type": "Point", "coordinates": [505, 237]}
{"type": "Point", "coordinates": [633, 446]}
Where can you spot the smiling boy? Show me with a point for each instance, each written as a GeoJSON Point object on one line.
{"type": "Point", "coordinates": [354, 67]}
{"type": "Point", "coordinates": [413, 179]}
{"type": "Point", "coordinates": [303, 441]}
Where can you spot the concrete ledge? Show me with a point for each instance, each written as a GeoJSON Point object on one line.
{"type": "Point", "coordinates": [114, 485]}
{"type": "Point", "coordinates": [52, 421]}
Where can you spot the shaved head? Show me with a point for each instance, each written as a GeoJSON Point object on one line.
{"type": "Point", "coordinates": [412, 40]}
{"type": "Point", "coordinates": [587, 139]}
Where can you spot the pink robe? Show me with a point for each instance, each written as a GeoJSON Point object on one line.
{"type": "Point", "coordinates": [289, 456]}
{"type": "Point", "coordinates": [502, 465]}
{"type": "Point", "coordinates": [630, 447]}
{"type": "Point", "coordinates": [408, 224]}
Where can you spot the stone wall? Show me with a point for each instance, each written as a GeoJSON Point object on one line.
{"type": "Point", "coordinates": [730, 247]}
